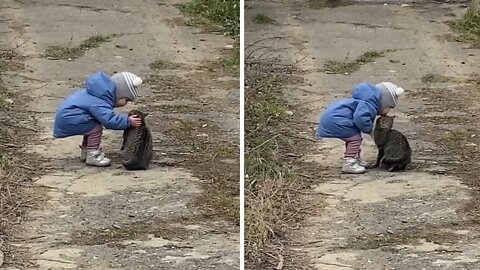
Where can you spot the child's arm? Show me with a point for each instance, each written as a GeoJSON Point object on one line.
{"type": "Point", "coordinates": [107, 117]}
{"type": "Point", "coordinates": [362, 117]}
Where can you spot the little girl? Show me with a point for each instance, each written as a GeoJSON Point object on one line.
{"type": "Point", "coordinates": [88, 110]}
{"type": "Point", "coordinates": [346, 119]}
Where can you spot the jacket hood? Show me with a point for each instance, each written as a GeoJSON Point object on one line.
{"type": "Point", "coordinates": [101, 86]}
{"type": "Point", "coordinates": [368, 93]}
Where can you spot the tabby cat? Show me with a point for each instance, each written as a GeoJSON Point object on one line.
{"type": "Point", "coordinates": [137, 145]}
{"type": "Point", "coordinates": [393, 149]}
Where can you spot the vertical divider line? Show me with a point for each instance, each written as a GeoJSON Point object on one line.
{"type": "Point", "coordinates": [242, 146]}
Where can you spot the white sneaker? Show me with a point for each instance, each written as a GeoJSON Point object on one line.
{"type": "Point", "coordinates": [363, 163]}
{"type": "Point", "coordinates": [83, 153]}
{"type": "Point", "coordinates": [97, 158]}
{"type": "Point", "coordinates": [351, 166]}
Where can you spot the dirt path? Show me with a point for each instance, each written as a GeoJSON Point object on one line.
{"type": "Point", "coordinates": [109, 218]}
{"type": "Point", "coordinates": [381, 220]}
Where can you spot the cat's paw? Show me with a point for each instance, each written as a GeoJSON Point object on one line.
{"type": "Point", "coordinates": [372, 166]}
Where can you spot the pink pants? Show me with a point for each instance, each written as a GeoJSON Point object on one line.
{"type": "Point", "coordinates": [93, 138]}
{"type": "Point", "coordinates": [352, 146]}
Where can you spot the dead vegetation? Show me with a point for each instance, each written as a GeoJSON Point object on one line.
{"type": "Point", "coordinates": [406, 236]}
{"type": "Point", "coordinates": [273, 184]}
{"type": "Point", "coordinates": [336, 67]}
{"type": "Point", "coordinates": [163, 64]}
{"type": "Point", "coordinates": [217, 16]}
{"type": "Point", "coordinates": [434, 78]}
{"type": "Point", "coordinates": [213, 160]}
{"type": "Point", "coordinates": [17, 192]}
{"type": "Point", "coordinates": [319, 4]}
{"type": "Point", "coordinates": [10, 61]}
{"type": "Point", "coordinates": [261, 18]}
{"type": "Point", "coordinates": [72, 52]}
{"type": "Point", "coordinates": [208, 150]}
{"type": "Point", "coordinates": [117, 234]}
{"type": "Point", "coordinates": [467, 29]}
{"type": "Point", "coordinates": [455, 135]}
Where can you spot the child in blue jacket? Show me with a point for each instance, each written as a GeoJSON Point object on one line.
{"type": "Point", "coordinates": [346, 119]}
{"type": "Point", "coordinates": [88, 110]}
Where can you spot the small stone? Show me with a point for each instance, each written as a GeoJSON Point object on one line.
{"type": "Point", "coordinates": [116, 226]}
{"type": "Point", "coordinates": [229, 47]}
{"type": "Point", "coordinates": [389, 231]}
{"type": "Point", "coordinates": [9, 100]}
{"type": "Point", "coordinates": [289, 113]}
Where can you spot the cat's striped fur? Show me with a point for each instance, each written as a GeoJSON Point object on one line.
{"type": "Point", "coordinates": [137, 145]}
{"type": "Point", "coordinates": [394, 150]}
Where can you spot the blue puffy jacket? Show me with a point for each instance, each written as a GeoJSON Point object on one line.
{"type": "Point", "coordinates": [348, 117]}
{"type": "Point", "coordinates": [87, 107]}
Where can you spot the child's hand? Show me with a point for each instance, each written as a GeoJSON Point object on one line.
{"type": "Point", "coordinates": [135, 121]}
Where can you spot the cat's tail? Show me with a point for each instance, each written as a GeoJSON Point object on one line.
{"type": "Point", "coordinates": [127, 163]}
{"type": "Point", "coordinates": [388, 159]}
{"type": "Point", "coordinates": [393, 160]}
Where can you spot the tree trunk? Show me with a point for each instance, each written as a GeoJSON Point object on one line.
{"type": "Point", "coordinates": [475, 7]}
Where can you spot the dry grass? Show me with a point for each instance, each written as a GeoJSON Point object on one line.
{"type": "Point", "coordinates": [10, 61]}
{"type": "Point", "coordinates": [208, 151]}
{"type": "Point", "coordinates": [215, 13]}
{"type": "Point", "coordinates": [163, 64]}
{"type": "Point", "coordinates": [273, 205]}
{"type": "Point", "coordinates": [320, 4]}
{"type": "Point", "coordinates": [467, 29]}
{"type": "Point", "coordinates": [406, 236]}
{"type": "Point", "coordinates": [457, 146]}
{"type": "Point", "coordinates": [203, 139]}
{"type": "Point", "coordinates": [72, 52]}
{"type": "Point", "coordinates": [17, 170]}
{"type": "Point", "coordinates": [165, 229]}
{"type": "Point", "coordinates": [261, 18]}
{"type": "Point", "coordinates": [336, 67]}
{"type": "Point", "coordinates": [435, 78]}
